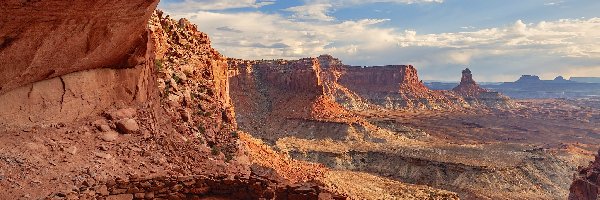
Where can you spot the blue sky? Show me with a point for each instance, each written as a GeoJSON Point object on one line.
{"type": "Point", "coordinates": [498, 40]}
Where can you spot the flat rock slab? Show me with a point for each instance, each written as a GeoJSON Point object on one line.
{"type": "Point", "coordinates": [109, 136]}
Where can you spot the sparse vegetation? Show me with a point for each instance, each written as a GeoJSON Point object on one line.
{"type": "Point", "coordinates": [201, 128]}
{"type": "Point", "coordinates": [235, 134]}
{"type": "Point", "coordinates": [176, 78]}
{"type": "Point", "coordinates": [202, 89]}
{"type": "Point", "coordinates": [202, 112]}
{"type": "Point", "coordinates": [214, 150]}
{"type": "Point", "coordinates": [167, 29]}
{"type": "Point", "coordinates": [195, 96]}
{"type": "Point", "coordinates": [167, 90]}
{"type": "Point", "coordinates": [158, 63]}
{"type": "Point", "coordinates": [199, 137]}
{"type": "Point", "coordinates": [228, 157]}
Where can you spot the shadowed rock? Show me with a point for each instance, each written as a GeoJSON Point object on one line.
{"type": "Point", "coordinates": [586, 183]}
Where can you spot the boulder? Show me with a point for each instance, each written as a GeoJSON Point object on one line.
{"type": "Point", "coordinates": [122, 114]}
{"type": "Point", "coordinates": [127, 126]}
{"type": "Point", "coordinates": [109, 136]}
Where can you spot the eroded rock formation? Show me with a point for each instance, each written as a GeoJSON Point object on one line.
{"type": "Point", "coordinates": [586, 183]}
{"type": "Point", "coordinates": [468, 87]}
{"type": "Point", "coordinates": [64, 60]}
{"type": "Point", "coordinates": [269, 94]}
{"type": "Point", "coordinates": [395, 87]}
{"type": "Point", "coordinates": [46, 39]}
{"type": "Point", "coordinates": [476, 96]}
{"type": "Point", "coordinates": [129, 104]}
{"type": "Point", "coordinates": [284, 111]}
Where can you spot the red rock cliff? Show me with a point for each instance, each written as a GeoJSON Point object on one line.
{"type": "Point", "coordinates": [374, 79]}
{"type": "Point", "coordinates": [64, 60]}
{"type": "Point", "coordinates": [476, 96]}
{"type": "Point", "coordinates": [468, 86]}
{"type": "Point", "coordinates": [46, 39]}
{"type": "Point", "coordinates": [290, 88]}
{"type": "Point", "coordinates": [274, 96]}
{"type": "Point", "coordinates": [358, 87]}
{"type": "Point", "coordinates": [393, 87]}
{"type": "Point", "coordinates": [135, 110]}
{"type": "Point", "coordinates": [586, 183]}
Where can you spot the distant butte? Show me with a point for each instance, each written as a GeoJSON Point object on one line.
{"type": "Point", "coordinates": [468, 86]}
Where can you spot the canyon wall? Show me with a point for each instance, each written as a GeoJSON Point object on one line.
{"type": "Point", "coordinates": [62, 61]}
{"type": "Point", "coordinates": [271, 95]}
{"type": "Point", "coordinates": [120, 93]}
{"type": "Point", "coordinates": [586, 183]}
{"type": "Point", "coordinates": [314, 98]}
{"type": "Point", "coordinates": [46, 39]}
{"type": "Point", "coordinates": [278, 87]}
{"type": "Point", "coordinates": [393, 87]}
{"type": "Point", "coordinates": [536, 178]}
{"type": "Point", "coordinates": [388, 87]}
{"type": "Point", "coordinates": [329, 114]}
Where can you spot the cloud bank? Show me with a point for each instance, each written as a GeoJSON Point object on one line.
{"type": "Point", "coordinates": [568, 47]}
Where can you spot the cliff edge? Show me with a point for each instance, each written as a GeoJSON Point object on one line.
{"type": "Point", "coordinates": [108, 100]}
{"type": "Point", "coordinates": [586, 183]}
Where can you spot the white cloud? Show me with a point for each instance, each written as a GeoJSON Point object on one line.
{"type": "Point", "coordinates": [311, 12]}
{"type": "Point", "coordinates": [356, 2]}
{"type": "Point", "coordinates": [196, 5]}
{"type": "Point", "coordinates": [320, 9]}
{"type": "Point", "coordinates": [554, 3]}
{"type": "Point", "coordinates": [568, 46]}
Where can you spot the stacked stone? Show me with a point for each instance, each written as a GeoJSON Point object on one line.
{"type": "Point", "coordinates": [261, 184]}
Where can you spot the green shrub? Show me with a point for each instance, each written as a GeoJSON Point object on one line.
{"type": "Point", "coordinates": [176, 78]}
{"type": "Point", "coordinates": [199, 138]}
{"type": "Point", "coordinates": [234, 134]}
{"type": "Point", "coordinates": [167, 89]}
{"type": "Point", "coordinates": [201, 129]}
{"type": "Point", "coordinates": [158, 63]}
{"type": "Point", "coordinates": [228, 157]}
{"type": "Point", "coordinates": [214, 150]}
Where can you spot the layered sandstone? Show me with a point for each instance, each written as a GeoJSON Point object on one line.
{"type": "Point", "coordinates": [393, 87]}
{"type": "Point", "coordinates": [275, 93]}
{"type": "Point", "coordinates": [586, 183]}
{"type": "Point", "coordinates": [104, 100]}
{"type": "Point", "coordinates": [62, 61]}
{"type": "Point", "coordinates": [333, 69]}
{"type": "Point", "coordinates": [287, 87]}
{"type": "Point", "coordinates": [45, 39]}
{"type": "Point", "coordinates": [468, 87]}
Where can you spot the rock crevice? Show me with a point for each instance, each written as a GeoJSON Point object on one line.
{"type": "Point", "coordinates": [586, 182]}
